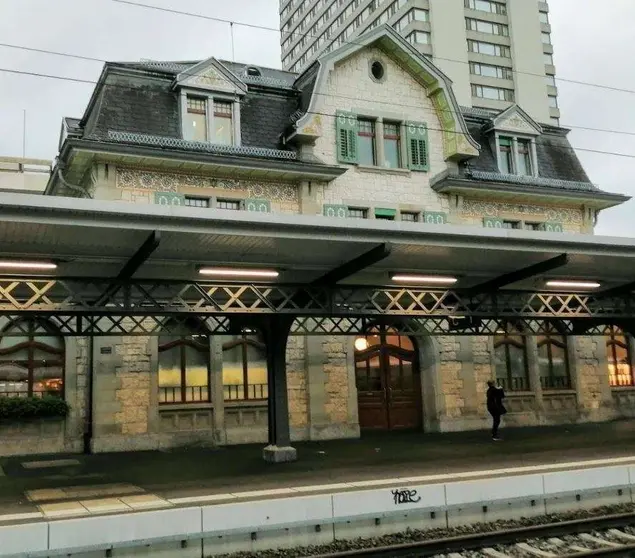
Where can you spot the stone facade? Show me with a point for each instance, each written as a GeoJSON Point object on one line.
{"type": "Point", "coordinates": [321, 374]}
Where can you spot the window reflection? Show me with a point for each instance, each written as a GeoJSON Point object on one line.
{"type": "Point", "coordinates": [31, 359]}
{"type": "Point", "coordinates": [244, 368]}
{"type": "Point", "coordinates": [619, 360]}
{"type": "Point", "coordinates": [183, 368]}
{"type": "Point", "coordinates": [510, 361]}
{"type": "Point", "coordinates": [553, 362]}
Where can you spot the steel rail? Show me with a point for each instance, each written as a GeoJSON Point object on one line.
{"type": "Point", "coordinates": [494, 538]}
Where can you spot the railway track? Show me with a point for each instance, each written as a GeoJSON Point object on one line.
{"type": "Point", "coordinates": [606, 536]}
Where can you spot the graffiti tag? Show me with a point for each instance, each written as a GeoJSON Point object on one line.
{"type": "Point", "coordinates": [404, 496]}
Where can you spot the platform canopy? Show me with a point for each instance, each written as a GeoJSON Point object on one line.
{"type": "Point", "coordinates": [327, 266]}
{"type": "Point", "coordinates": [95, 238]}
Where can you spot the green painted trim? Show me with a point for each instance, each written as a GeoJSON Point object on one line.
{"type": "Point", "coordinates": [435, 218]}
{"type": "Point", "coordinates": [168, 198]}
{"type": "Point", "coordinates": [385, 212]}
{"type": "Point", "coordinates": [492, 223]}
{"type": "Point", "coordinates": [261, 206]}
{"type": "Point", "coordinates": [336, 211]}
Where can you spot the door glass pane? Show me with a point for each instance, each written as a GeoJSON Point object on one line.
{"type": "Point", "coordinates": [196, 375]}
{"type": "Point", "coordinates": [401, 375]}
{"type": "Point", "coordinates": [374, 374]}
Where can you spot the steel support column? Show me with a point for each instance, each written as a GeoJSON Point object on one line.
{"type": "Point", "coordinates": [276, 332]}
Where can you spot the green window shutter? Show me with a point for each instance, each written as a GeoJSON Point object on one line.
{"type": "Point", "coordinates": [417, 141]}
{"type": "Point", "coordinates": [492, 223]}
{"type": "Point", "coordinates": [346, 137]}
{"type": "Point", "coordinates": [168, 198]}
{"type": "Point", "coordinates": [338, 211]}
{"type": "Point", "coordinates": [435, 218]}
{"type": "Point", "coordinates": [551, 227]}
{"type": "Point", "coordinates": [383, 212]}
{"type": "Point", "coordinates": [261, 206]}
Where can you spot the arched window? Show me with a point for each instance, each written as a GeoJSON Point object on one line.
{"type": "Point", "coordinates": [385, 362]}
{"type": "Point", "coordinates": [184, 367]}
{"type": "Point", "coordinates": [244, 368]}
{"type": "Point", "coordinates": [31, 359]}
{"type": "Point", "coordinates": [618, 355]}
{"type": "Point", "coordinates": [510, 361]}
{"type": "Point", "coordinates": [553, 362]}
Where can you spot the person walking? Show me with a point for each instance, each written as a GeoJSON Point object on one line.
{"type": "Point", "coordinates": [495, 396]}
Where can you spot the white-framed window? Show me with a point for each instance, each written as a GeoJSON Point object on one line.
{"type": "Point", "coordinates": [491, 49]}
{"type": "Point", "coordinates": [419, 38]}
{"type": "Point", "coordinates": [550, 80]}
{"type": "Point", "coordinates": [486, 6]}
{"type": "Point", "coordinates": [493, 93]}
{"type": "Point", "coordinates": [210, 118]}
{"type": "Point", "coordinates": [410, 216]}
{"type": "Point", "coordinates": [486, 27]}
{"type": "Point", "coordinates": [516, 155]}
{"type": "Point", "coordinates": [548, 59]}
{"type": "Point", "coordinates": [544, 17]}
{"type": "Point", "coordinates": [357, 213]}
{"type": "Point", "coordinates": [553, 101]}
{"type": "Point", "coordinates": [489, 70]}
{"type": "Point", "coordinates": [546, 38]}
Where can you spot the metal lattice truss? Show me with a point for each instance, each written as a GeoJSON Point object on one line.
{"type": "Point", "coordinates": [144, 307]}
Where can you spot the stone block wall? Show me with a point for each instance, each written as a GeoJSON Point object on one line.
{"type": "Point", "coordinates": [349, 88]}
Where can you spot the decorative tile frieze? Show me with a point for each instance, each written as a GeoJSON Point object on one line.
{"type": "Point", "coordinates": [171, 182]}
{"type": "Point", "coordinates": [474, 208]}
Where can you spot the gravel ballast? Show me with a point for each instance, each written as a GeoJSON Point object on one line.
{"type": "Point", "coordinates": [417, 535]}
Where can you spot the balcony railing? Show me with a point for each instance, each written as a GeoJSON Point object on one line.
{"type": "Point", "coordinates": [236, 392]}
{"type": "Point", "coordinates": [193, 394]}
{"type": "Point", "coordinates": [514, 384]}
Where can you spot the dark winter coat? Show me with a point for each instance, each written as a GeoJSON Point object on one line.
{"type": "Point", "coordinates": [495, 396]}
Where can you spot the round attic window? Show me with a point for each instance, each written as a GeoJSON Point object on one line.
{"type": "Point", "coordinates": [377, 70]}
{"type": "Point", "coordinates": [253, 71]}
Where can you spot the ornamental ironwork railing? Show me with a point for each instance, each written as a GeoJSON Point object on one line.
{"type": "Point", "coordinates": [102, 306]}
{"type": "Point", "coordinates": [200, 146]}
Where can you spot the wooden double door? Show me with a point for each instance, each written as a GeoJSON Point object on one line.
{"type": "Point", "coordinates": [388, 383]}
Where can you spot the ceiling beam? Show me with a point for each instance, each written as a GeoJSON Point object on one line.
{"type": "Point", "coordinates": [373, 256]}
{"type": "Point", "coordinates": [519, 275]}
{"type": "Point", "coordinates": [133, 264]}
{"type": "Point", "coordinates": [140, 256]}
{"type": "Point", "coordinates": [617, 291]}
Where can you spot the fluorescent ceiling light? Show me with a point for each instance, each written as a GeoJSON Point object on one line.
{"type": "Point", "coordinates": [228, 272]}
{"type": "Point", "coordinates": [27, 265]}
{"type": "Point", "coordinates": [574, 284]}
{"type": "Point", "coordinates": [430, 279]}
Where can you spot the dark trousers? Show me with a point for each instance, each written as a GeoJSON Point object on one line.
{"type": "Point", "coordinates": [496, 421]}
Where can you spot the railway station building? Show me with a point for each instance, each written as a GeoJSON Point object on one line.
{"type": "Point", "coordinates": [232, 254]}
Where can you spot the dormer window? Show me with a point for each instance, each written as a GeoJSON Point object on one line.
{"type": "Point", "coordinates": [209, 119]}
{"type": "Point", "coordinates": [253, 71]}
{"type": "Point", "coordinates": [196, 119]}
{"type": "Point", "coordinates": [223, 125]}
{"type": "Point", "coordinates": [516, 155]}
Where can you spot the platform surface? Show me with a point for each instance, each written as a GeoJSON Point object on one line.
{"type": "Point", "coordinates": [50, 486]}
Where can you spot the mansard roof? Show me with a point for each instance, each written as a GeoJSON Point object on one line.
{"type": "Point", "coordinates": [135, 106]}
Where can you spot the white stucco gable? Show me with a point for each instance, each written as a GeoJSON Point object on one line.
{"type": "Point", "coordinates": [458, 144]}
{"type": "Point", "coordinates": [516, 121]}
{"type": "Point", "coordinates": [210, 75]}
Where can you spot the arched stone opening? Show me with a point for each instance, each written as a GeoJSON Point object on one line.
{"type": "Point", "coordinates": [397, 381]}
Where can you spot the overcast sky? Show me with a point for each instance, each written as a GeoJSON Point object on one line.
{"type": "Point", "coordinates": [589, 47]}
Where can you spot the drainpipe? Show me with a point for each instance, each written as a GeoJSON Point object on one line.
{"type": "Point", "coordinates": [88, 426]}
{"type": "Point", "coordinates": [73, 187]}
